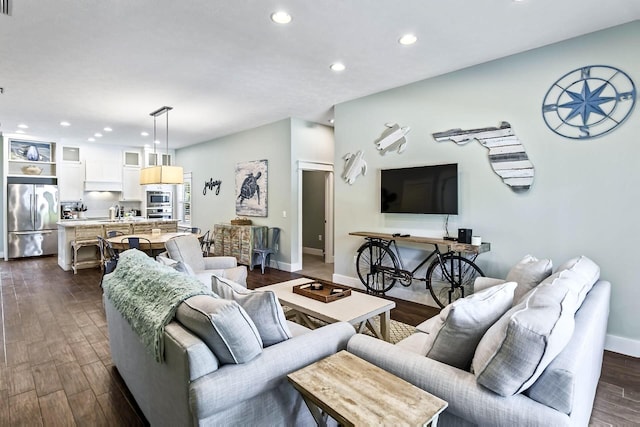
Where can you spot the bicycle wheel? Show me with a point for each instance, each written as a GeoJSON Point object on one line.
{"type": "Point", "coordinates": [376, 266]}
{"type": "Point", "coordinates": [451, 277]}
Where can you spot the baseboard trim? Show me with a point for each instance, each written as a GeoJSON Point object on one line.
{"type": "Point", "coordinates": [313, 251]}
{"type": "Point", "coordinates": [622, 345]}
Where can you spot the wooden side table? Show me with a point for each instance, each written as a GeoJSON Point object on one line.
{"type": "Point", "coordinates": [355, 392]}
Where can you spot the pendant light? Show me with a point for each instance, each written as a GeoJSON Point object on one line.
{"type": "Point", "coordinates": [161, 174]}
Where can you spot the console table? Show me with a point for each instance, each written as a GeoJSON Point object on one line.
{"type": "Point", "coordinates": [451, 244]}
{"type": "Point", "coordinates": [237, 241]}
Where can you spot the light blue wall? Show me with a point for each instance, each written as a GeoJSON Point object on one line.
{"type": "Point", "coordinates": [217, 159]}
{"type": "Point", "coordinates": [282, 143]}
{"type": "Point", "coordinates": [584, 198]}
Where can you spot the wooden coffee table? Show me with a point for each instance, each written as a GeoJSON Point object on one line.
{"type": "Point", "coordinates": [355, 392]}
{"type": "Point", "coordinates": [359, 309]}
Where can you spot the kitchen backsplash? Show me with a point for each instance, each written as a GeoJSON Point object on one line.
{"type": "Point", "coordinates": [99, 202]}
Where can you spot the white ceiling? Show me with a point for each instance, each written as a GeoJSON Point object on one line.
{"type": "Point", "coordinates": [224, 66]}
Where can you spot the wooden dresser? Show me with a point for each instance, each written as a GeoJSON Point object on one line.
{"type": "Point", "coordinates": [237, 240]}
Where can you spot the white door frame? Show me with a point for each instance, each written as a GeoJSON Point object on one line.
{"type": "Point", "coordinates": [328, 208]}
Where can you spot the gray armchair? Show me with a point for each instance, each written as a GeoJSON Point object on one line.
{"type": "Point", "coordinates": [187, 249]}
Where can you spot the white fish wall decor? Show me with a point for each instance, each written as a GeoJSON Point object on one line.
{"type": "Point", "coordinates": [393, 137]}
{"type": "Point", "coordinates": [506, 153]}
{"type": "Point", "coordinates": [354, 164]}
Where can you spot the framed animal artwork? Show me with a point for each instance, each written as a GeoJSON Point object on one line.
{"type": "Point", "coordinates": [251, 188]}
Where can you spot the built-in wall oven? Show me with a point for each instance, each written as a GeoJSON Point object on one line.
{"type": "Point", "coordinates": [159, 205]}
{"type": "Point", "coordinates": [160, 213]}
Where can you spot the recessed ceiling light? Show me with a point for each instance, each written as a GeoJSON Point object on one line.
{"type": "Point", "coordinates": [91, 139]}
{"type": "Point", "coordinates": [408, 39]}
{"type": "Point", "coordinates": [65, 124]}
{"type": "Point", "coordinates": [23, 126]}
{"type": "Point", "coordinates": [337, 66]}
{"type": "Point", "coordinates": [97, 135]}
{"type": "Point", "coordinates": [156, 142]}
{"type": "Point", "coordinates": [107, 129]}
{"type": "Point", "coordinates": [281, 17]}
{"type": "Point", "coordinates": [20, 131]}
{"type": "Point", "coordinates": [147, 145]}
{"type": "Point", "coordinates": [144, 133]}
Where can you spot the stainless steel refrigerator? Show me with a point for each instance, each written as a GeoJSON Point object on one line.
{"type": "Point", "coordinates": [31, 220]}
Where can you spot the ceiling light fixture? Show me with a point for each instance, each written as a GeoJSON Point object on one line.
{"type": "Point", "coordinates": [107, 129]}
{"type": "Point", "coordinates": [337, 66]}
{"type": "Point", "coordinates": [281, 17]}
{"type": "Point", "coordinates": [91, 139]}
{"type": "Point", "coordinates": [161, 174]}
{"type": "Point", "coordinates": [144, 133]}
{"type": "Point", "coordinates": [20, 131]}
{"type": "Point", "coordinates": [408, 39]}
{"type": "Point", "coordinates": [97, 135]}
{"type": "Point", "coordinates": [65, 123]}
{"type": "Point", "coordinates": [23, 126]}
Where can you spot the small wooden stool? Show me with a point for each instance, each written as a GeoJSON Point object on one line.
{"type": "Point", "coordinates": [85, 236]}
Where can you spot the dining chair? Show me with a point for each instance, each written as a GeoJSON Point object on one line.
{"type": "Point", "coordinates": [262, 254]}
{"type": "Point", "coordinates": [195, 230]}
{"type": "Point", "coordinates": [114, 233]}
{"type": "Point", "coordinates": [139, 243]}
{"type": "Point", "coordinates": [206, 242]}
{"type": "Point", "coordinates": [108, 257]}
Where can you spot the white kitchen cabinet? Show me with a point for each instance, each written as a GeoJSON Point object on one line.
{"type": "Point", "coordinates": [70, 181]}
{"type": "Point", "coordinates": [131, 158]}
{"type": "Point", "coordinates": [159, 157]}
{"type": "Point", "coordinates": [131, 188]}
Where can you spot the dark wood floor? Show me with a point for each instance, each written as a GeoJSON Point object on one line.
{"type": "Point", "coordinates": [55, 367]}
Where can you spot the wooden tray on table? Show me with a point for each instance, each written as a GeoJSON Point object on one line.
{"type": "Point", "coordinates": [328, 293]}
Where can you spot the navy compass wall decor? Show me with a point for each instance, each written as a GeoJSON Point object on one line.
{"type": "Point", "coordinates": [589, 102]}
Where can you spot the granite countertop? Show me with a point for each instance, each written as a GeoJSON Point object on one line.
{"type": "Point", "coordinates": [102, 221]}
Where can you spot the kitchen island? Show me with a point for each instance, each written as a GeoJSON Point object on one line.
{"type": "Point", "coordinates": [67, 233]}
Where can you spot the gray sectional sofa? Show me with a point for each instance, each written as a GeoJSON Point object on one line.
{"type": "Point", "coordinates": [197, 385]}
{"type": "Point", "coordinates": [537, 379]}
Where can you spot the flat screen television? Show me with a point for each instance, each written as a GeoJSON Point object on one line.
{"type": "Point", "coordinates": [420, 190]}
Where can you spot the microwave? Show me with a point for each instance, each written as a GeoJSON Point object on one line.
{"type": "Point", "coordinates": [158, 198]}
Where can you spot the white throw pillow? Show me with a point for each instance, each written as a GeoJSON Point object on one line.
{"type": "Point", "coordinates": [519, 346]}
{"type": "Point", "coordinates": [528, 273]}
{"type": "Point", "coordinates": [262, 306]}
{"type": "Point", "coordinates": [453, 337]}
{"type": "Point", "coordinates": [583, 272]}
{"type": "Point", "coordinates": [223, 325]}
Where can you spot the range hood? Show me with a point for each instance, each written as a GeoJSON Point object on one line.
{"type": "Point", "coordinates": [103, 186]}
{"type": "Point", "coordinates": [102, 176]}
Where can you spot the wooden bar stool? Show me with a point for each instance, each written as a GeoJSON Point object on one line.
{"type": "Point", "coordinates": [86, 236]}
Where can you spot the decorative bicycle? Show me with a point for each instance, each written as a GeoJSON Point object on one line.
{"type": "Point", "coordinates": [448, 277]}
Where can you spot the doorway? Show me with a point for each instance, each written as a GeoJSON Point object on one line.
{"type": "Point", "coordinates": [315, 220]}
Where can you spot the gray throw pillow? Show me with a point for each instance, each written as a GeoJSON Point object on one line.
{"type": "Point", "coordinates": [519, 346]}
{"type": "Point", "coordinates": [176, 265]}
{"type": "Point", "coordinates": [453, 337]}
{"type": "Point", "coordinates": [528, 273]}
{"type": "Point", "coordinates": [262, 306]}
{"type": "Point", "coordinates": [223, 325]}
